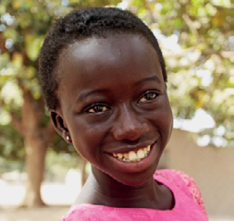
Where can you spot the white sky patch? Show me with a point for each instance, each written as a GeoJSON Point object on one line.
{"type": "Point", "coordinates": [3, 71]}
{"type": "Point", "coordinates": [158, 6]}
{"type": "Point", "coordinates": [201, 120]}
{"type": "Point", "coordinates": [10, 92]}
{"type": "Point", "coordinates": [226, 3]}
{"type": "Point", "coordinates": [65, 2]}
{"type": "Point", "coordinates": [9, 43]}
{"type": "Point", "coordinates": [220, 131]}
{"type": "Point", "coordinates": [5, 117]}
{"type": "Point", "coordinates": [231, 42]}
{"type": "Point", "coordinates": [194, 55]}
{"type": "Point", "coordinates": [8, 19]}
{"type": "Point", "coordinates": [157, 33]}
{"type": "Point", "coordinates": [204, 140]}
{"type": "Point", "coordinates": [2, 28]}
{"type": "Point", "coordinates": [123, 5]}
{"type": "Point", "coordinates": [170, 42]}
{"type": "Point", "coordinates": [219, 141]}
{"type": "Point", "coordinates": [206, 77]}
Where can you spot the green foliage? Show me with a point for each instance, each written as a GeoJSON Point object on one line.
{"type": "Point", "coordinates": [23, 26]}
{"type": "Point", "coordinates": [200, 71]}
{"type": "Point", "coordinates": [11, 144]}
{"type": "Point", "coordinates": [57, 164]}
{"type": "Point", "coordinates": [202, 27]}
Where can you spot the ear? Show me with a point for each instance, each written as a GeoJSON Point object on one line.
{"type": "Point", "coordinates": [60, 125]}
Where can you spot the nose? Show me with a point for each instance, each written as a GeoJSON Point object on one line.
{"type": "Point", "coordinates": [129, 125]}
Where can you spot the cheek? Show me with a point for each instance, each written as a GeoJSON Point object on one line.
{"type": "Point", "coordinates": [87, 138]}
{"type": "Point", "coordinates": [162, 114]}
{"type": "Point", "coordinates": [166, 120]}
{"type": "Point", "coordinates": [167, 116]}
{"type": "Point", "coordinates": [162, 119]}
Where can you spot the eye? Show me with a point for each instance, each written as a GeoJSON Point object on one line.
{"type": "Point", "coordinates": [148, 96]}
{"type": "Point", "coordinates": [97, 108]}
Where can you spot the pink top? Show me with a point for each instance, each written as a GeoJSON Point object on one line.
{"type": "Point", "coordinates": [188, 204]}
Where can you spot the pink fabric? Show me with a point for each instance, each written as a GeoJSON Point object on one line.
{"type": "Point", "coordinates": [193, 189]}
{"type": "Point", "coordinates": [188, 204]}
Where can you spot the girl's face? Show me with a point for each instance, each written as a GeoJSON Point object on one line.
{"type": "Point", "coordinates": [114, 105]}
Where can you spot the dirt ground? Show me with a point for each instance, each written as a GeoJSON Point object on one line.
{"type": "Point", "coordinates": [58, 197]}
{"type": "Point", "coordinates": [50, 213]}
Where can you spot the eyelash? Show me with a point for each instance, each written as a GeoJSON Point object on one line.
{"type": "Point", "coordinates": [96, 108]}
{"type": "Point", "coordinates": [148, 96]}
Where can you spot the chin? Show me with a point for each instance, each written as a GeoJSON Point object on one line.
{"type": "Point", "coordinates": [135, 179]}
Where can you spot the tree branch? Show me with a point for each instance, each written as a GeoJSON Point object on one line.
{"type": "Point", "coordinates": [17, 123]}
{"type": "Point", "coordinates": [49, 131]}
{"type": "Point", "coordinates": [190, 25]}
{"type": "Point", "coordinates": [2, 44]}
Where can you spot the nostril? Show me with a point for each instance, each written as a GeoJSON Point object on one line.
{"type": "Point", "coordinates": [126, 135]}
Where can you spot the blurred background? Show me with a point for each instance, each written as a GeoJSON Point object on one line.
{"type": "Point", "coordinates": [40, 175]}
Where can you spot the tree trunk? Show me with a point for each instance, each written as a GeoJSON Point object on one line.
{"type": "Point", "coordinates": [36, 140]}
{"type": "Point", "coordinates": [34, 163]}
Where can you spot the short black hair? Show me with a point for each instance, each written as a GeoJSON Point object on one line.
{"type": "Point", "coordinates": [82, 24]}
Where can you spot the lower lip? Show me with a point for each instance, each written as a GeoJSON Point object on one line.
{"type": "Point", "coordinates": [137, 166]}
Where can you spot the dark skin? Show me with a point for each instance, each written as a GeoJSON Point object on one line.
{"type": "Point", "coordinates": [149, 195]}
{"type": "Point", "coordinates": [113, 100]}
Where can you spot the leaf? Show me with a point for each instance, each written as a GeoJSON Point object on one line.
{"type": "Point", "coordinates": [2, 9]}
{"type": "Point", "coordinates": [33, 45]}
{"type": "Point", "coordinates": [17, 60]}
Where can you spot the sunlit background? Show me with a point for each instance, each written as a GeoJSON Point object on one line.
{"type": "Point", "coordinates": [197, 41]}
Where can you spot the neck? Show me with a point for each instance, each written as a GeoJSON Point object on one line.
{"type": "Point", "coordinates": [104, 190]}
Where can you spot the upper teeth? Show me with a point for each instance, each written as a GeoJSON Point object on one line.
{"type": "Point", "coordinates": [132, 155]}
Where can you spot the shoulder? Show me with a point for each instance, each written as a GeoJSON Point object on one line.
{"type": "Point", "coordinates": [90, 212]}
{"type": "Point", "coordinates": [79, 213]}
{"type": "Point", "coordinates": [184, 182]}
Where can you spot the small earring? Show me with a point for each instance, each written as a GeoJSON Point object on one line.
{"type": "Point", "coordinates": [68, 138]}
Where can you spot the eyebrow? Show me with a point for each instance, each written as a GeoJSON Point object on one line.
{"type": "Point", "coordinates": [84, 95]}
{"type": "Point", "coordinates": [152, 78]}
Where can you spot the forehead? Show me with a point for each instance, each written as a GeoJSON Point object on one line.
{"type": "Point", "coordinates": [108, 57]}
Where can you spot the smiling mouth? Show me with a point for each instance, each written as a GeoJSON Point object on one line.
{"type": "Point", "coordinates": [133, 156]}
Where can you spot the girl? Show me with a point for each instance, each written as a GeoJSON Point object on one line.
{"type": "Point", "coordinates": [103, 77]}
